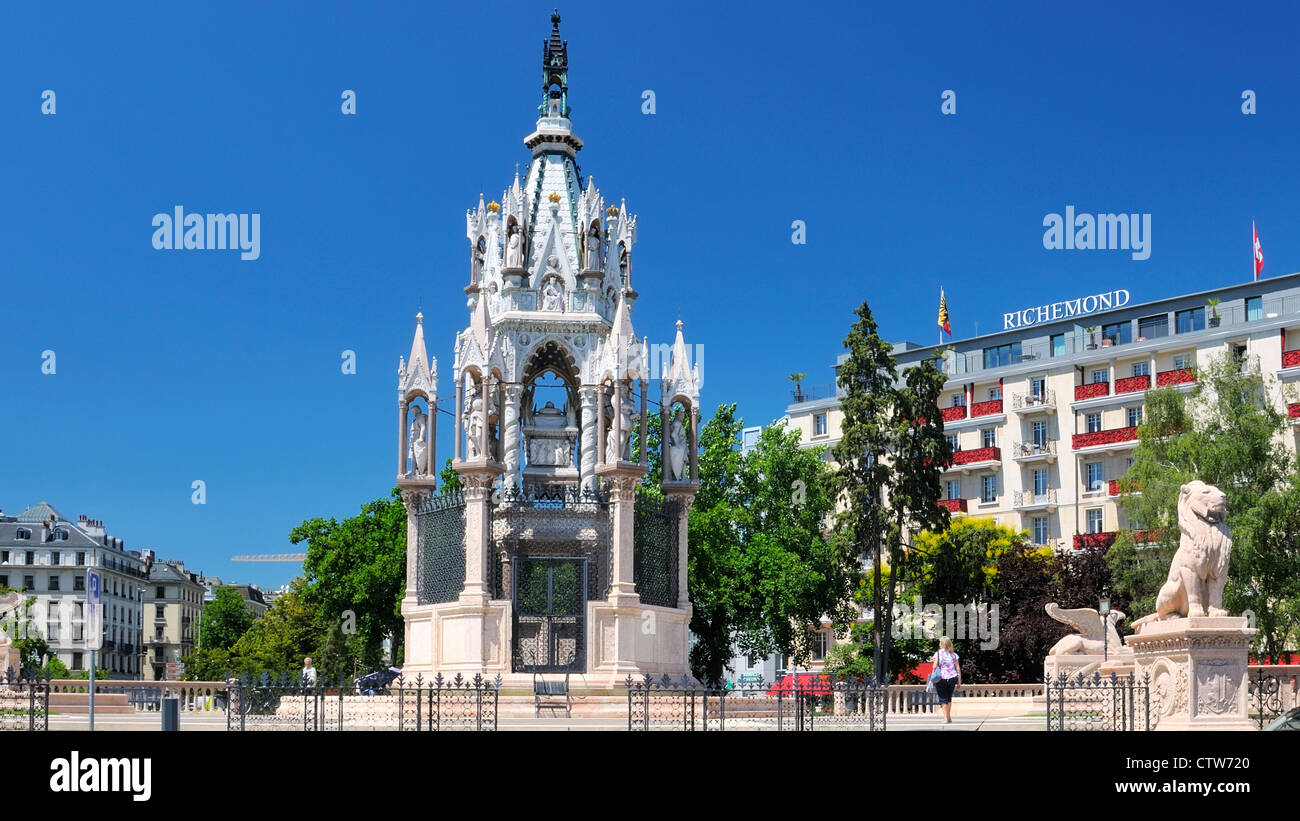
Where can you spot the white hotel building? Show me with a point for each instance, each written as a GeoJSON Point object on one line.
{"type": "Point", "coordinates": [1043, 415]}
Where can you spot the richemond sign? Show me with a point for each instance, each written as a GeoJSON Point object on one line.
{"type": "Point", "coordinates": [1065, 310]}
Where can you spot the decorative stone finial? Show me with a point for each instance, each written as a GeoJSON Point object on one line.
{"type": "Point", "coordinates": [494, 206]}
{"type": "Point", "coordinates": [612, 210]}
{"type": "Point", "coordinates": [554, 197]}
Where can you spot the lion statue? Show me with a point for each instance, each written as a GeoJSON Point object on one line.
{"type": "Point", "coordinates": [1200, 567]}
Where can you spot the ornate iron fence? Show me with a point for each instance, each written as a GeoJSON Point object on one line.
{"type": "Point", "coordinates": [1097, 703]}
{"type": "Point", "coordinates": [416, 704]}
{"type": "Point", "coordinates": [654, 549]}
{"type": "Point", "coordinates": [440, 574]}
{"type": "Point", "coordinates": [1265, 696]}
{"type": "Point", "coordinates": [818, 704]}
{"type": "Point", "coordinates": [24, 701]}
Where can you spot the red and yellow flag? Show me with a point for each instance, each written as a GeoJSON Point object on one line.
{"type": "Point", "coordinates": [943, 314]}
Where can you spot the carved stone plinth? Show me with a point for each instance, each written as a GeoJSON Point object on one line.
{"type": "Point", "coordinates": [1198, 671]}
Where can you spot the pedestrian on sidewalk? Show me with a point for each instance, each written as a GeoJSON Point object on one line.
{"type": "Point", "coordinates": [308, 673]}
{"type": "Point", "coordinates": [949, 666]}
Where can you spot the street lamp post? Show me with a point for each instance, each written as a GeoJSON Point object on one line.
{"type": "Point", "coordinates": [1104, 609]}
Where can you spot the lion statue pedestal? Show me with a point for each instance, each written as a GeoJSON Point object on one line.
{"type": "Point", "coordinates": [1195, 653]}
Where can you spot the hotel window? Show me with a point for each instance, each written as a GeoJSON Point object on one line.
{"type": "Point", "coordinates": [817, 644]}
{"type": "Point", "coordinates": [989, 489]}
{"type": "Point", "coordinates": [54, 558]}
{"type": "Point", "coordinates": [160, 611]}
{"type": "Point", "coordinates": [995, 393]}
{"type": "Point", "coordinates": [76, 661]}
{"type": "Point", "coordinates": [1040, 481]}
{"type": "Point", "coordinates": [1119, 333]}
{"type": "Point", "coordinates": [29, 582]}
{"type": "Point", "coordinates": [31, 557]}
{"type": "Point", "coordinates": [4, 557]}
{"type": "Point", "coordinates": [1134, 417]}
{"type": "Point", "coordinates": [952, 442]}
{"type": "Point", "coordinates": [1095, 481]}
{"type": "Point", "coordinates": [78, 621]}
{"type": "Point", "coordinates": [1141, 368]}
{"type": "Point", "coordinates": [1000, 355]}
{"type": "Point", "coordinates": [160, 593]}
{"type": "Point", "coordinates": [989, 437]}
{"type": "Point", "coordinates": [954, 489]}
{"type": "Point", "coordinates": [1190, 320]}
{"type": "Point", "coordinates": [1040, 530]}
{"type": "Point", "coordinates": [1092, 422]}
{"type": "Point", "coordinates": [22, 533]}
{"type": "Point", "coordinates": [1038, 433]}
{"type": "Point", "coordinates": [959, 400]}
{"type": "Point", "coordinates": [1058, 344]}
{"type": "Point", "coordinates": [54, 583]}
{"type": "Point", "coordinates": [1254, 308]}
{"type": "Point", "coordinates": [1101, 375]}
{"type": "Point", "coordinates": [1038, 387]}
{"type": "Point", "coordinates": [81, 557]}
{"type": "Point", "coordinates": [1094, 520]}
{"type": "Point", "coordinates": [1182, 362]}
{"type": "Point", "coordinates": [1154, 327]}
{"type": "Point", "coordinates": [52, 622]}
{"type": "Point", "coordinates": [819, 425]}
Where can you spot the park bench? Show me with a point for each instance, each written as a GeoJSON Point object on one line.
{"type": "Point", "coordinates": [551, 695]}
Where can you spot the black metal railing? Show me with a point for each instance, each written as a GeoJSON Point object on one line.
{"type": "Point", "coordinates": [24, 701]}
{"type": "Point", "coordinates": [816, 704]}
{"type": "Point", "coordinates": [1098, 703]}
{"type": "Point", "coordinates": [1265, 696]}
{"type": "Point", "coordinates": [413, 704]}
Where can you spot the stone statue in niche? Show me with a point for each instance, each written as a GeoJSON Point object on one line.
{"type": "Point", "coordinates": [620, 447]}
{"type": "Point", "coordinates": [677, 446]}
{"type": "Point", "coordinates": [474, 426]}
{"type": "Point", "coordinates": [593, 248]}
{"type": "Point", "coordinates": [418, 445]}
{"type": "Point", "coordinates": [514, 249]}
{"type": "Point", "coordinates": [552, 295]}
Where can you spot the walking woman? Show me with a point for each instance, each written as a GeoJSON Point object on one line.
{"type": "Point", "coordinates": [948, 664]}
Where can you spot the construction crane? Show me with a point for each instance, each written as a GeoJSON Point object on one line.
{"type": "Point", "coordinates": [270, 557]}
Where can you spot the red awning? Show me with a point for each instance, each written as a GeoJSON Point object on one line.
{"type": "Point", "coordinates": [808, 683]}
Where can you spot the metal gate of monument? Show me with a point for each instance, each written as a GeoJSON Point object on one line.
{"type": "Point", "coordinates": [550, 600]}
{"type": "Point", "coordinates": [24, 701]}
{"type": "Point", "coordinates": [1097, 703]}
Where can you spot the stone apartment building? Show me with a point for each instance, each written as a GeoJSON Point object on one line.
{"type": "Point", "coordinates": [172, 603]}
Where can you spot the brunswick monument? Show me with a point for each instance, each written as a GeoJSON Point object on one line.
{"type": "Point", "coordinates": [552, 556]}
{"type": "Point", "coordinates": [1192, 652]}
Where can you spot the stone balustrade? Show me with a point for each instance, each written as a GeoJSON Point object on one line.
{"type": "Point", "coordinates": [146, 695]}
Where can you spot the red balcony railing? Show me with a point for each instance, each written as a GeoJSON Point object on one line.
{"type": "Point", "coordinates": [986, 408]}
{"type": "Point", "coordinates": [954, 413]}
{"type": "Point", "coordinates": [1149, 536]}
{"type": "Point", "coordinates": [1133, 384]}
{"type": "Point", "coordinates": [1104, 437]}
{"type": "Point", "coordinates": [1293, 410]}
{"type": "Point", "coordinates": [1086, 540]}
{"type": "Point", "coordinates": [1121, 486]}
{"type": "Point", "coordinates": [1291, 359]}
{"type": "Point", "coordinates": [966, 457]}
{"type": "Point", "coordinates": [1181, 376]}
{"type": "Point", "coordinates": [1091, 390]}
{"type": "Point", "coordinates": [953, 505]}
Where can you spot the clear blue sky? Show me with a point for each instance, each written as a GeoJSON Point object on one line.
{"type": "Point", "coordinates": [175, 366]}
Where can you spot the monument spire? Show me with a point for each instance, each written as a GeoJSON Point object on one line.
{"type": "Point", "coordinates": [555, 72]}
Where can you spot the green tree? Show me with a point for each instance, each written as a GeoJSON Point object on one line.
{"type": "Point", "coordinates": [356, 575]}
{"type": "Point", "coordinates": [958, 565]}
{"type": "Point", "coordinates": [1226, 431]}
{"type": "Point", "coordinates": [449, 479]}
{"type": "Point", "coordinates": [891, 454]}
{"type": "Point", "coordinates": [224, 620]}
{"type": "Point", "coordinates": [289, 632]}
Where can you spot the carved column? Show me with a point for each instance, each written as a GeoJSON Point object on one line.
{"type": "Point", "coordinates": [458, 423]}
{"type": "Point", "coordinates": [431, 466]}
{"type": "Point", "coordinates": [694, 445]}
{"type": "Point", "coordinates": [587, 452]}
{"type": "Point", "coordinates": [412, 499]}
{"type": "Point", "coordinates": [478, 488]}
{"type": "Point", "coordinates": [665, 423]}
{"type": "Point", "coordinates": [510, 439]}
{"type": "Point", "coordinates": [600, 424]}
{"type": "Point", "coordinates": [485, 392]}
{"type": "Point", "coordinates": [403, 431]}
{"type": "Point", "coordinates": [645, 430]}
{"type": "Point", "coordinates": [622, 497]}
{"type": "Point", "coordinates": [617, 406]}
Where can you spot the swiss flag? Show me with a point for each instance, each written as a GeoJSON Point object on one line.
{"type": "Point", "coordinates": [1259, 252]}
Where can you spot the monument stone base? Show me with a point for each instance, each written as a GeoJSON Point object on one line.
{"type": "Point", "coordinates": [1198, 671]}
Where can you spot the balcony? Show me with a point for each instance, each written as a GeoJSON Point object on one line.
{"type": "Point", "coordinates": [953, 505]}
{"type": "Point", "coordinates": [1034, 451]}
{"type": "Point", "coordinates": [1083, 541]}
{"type": "Point", "coordinates": [977, 458]}
{"type": "Point", "coordinates": [1091, 391]}
{"type": "Point", "coordinates": [1028, 500]}
{"type": "Point", "coordinates": [1114, 439]}
{"type": "Point", "coordinates": [1122, 487]}
{"type": "Point", "coordinates": [1027, 403]}
{"type": "Point", "coordinates": [1179, 376]}
{"type": "Point", "coordinates": [1291, 359]}
{"type": "Point", "coordinates": [1293, 412]}
{"type": "Point", "coordinates": [990, 408]}
{"type": "Point", "coordinates": [954, 413]}
{"type": "Point", "coordinates": [1133, 384]}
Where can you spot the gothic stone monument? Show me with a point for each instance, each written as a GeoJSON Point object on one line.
{"type": "Point", "coordinates": [551, 558]}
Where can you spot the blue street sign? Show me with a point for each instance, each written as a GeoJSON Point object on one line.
{"type": "Point", "coordinates": [94, 613]}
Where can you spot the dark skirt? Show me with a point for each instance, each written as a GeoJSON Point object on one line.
{"type": "Point", "coordinates": [944, 687]}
